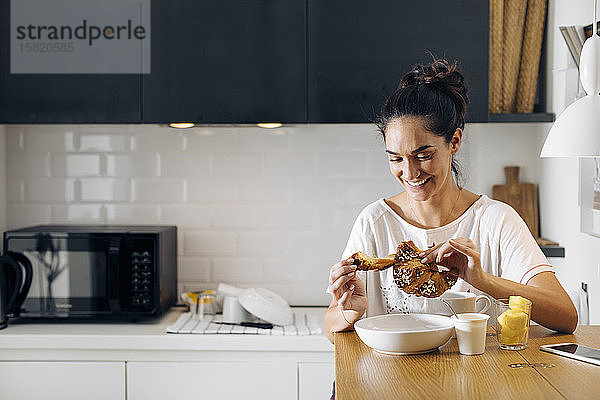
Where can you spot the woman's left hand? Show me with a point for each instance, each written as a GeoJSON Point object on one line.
{"type": "Point", "coordinates": [457, 254]}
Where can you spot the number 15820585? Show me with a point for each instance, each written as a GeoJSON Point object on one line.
{"type": "Point", "coordinates": [64, 47]}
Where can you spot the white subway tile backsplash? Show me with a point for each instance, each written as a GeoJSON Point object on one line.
{"type": "Point", "coordinates": [21, 215]}
{"type": "Point", "coordinates": [76, 165]}
{"type": "Point", "coordinates": [364, 193]}
{"type": "Point", "coordinates": [293, 217]}
{"type": "Point", "coordinates": [264, 191]}
{"type": "Point", "coordinates": [180, 242]}
{"type": "Point", "coordinates": [211, 190]}
{"type": "Point", "coordinates": [185, 216]}
{"type": "Point", "coordinates": [195, 269]}
{"type": "Point", "coordinates": [15, 138]}
{"type": "Point", "coordinates": [209, 243]}
{"type": "Point", "coordinates": [341, 164]}
{"type": "Point", "coordinates": [378, 165]}
{"type": "Point", "coordinates": [236, 217]}
{"type": "Point", "coordinates": [237, 270]}
{"type": "Point", "coordinates": [15, 190]}
{"type": "Point", "coordinates": [158, 190]}
{"type": "Point", "coordinates": [238, 166]}
{"type": "Point", "coordinates": [184, 165]}
{"type": "Point", "coordinates": [342, 217]}
{"type": "Point", "coordinates": [291, 270]}
{"type": "Point", "coordinates": [289, 165]}
{"type": "Point", "coordinates": [210, 140]}
{"type": "Point", "coordinates": [354, 137]}
{"type": "Point", "coordinates": [23, 164]}
{"type": "Point", "coordinates": [44, 190]}
{"type": "Point", "coordinates": [264, 141]}
{"type": "Point", "coordinates": [104, 141]}
{"type": "Point", "coordinates": [54, 139]}
{"type": "Point", "coordinates": [78, 214]}
{"type": "Point", "coordinates": [105, 189]}
{"type": "Point", "coordinates": [325, 214]}
{"type": "Point", "coordinates": [132, 214]}
{"type": "Point", "coordinates": [325, 244]}
{"type": "Point", "coordinates": [105, 130]}
{"type": "Point", "coordinates": [316, 191]}
{"type": "Point", "coordinates": [250, 204]}
{"type": "Point", "coordinates": [132, 165]}
{"type": "Point", "coordinates": [309, 294]}
{"type": "Point", "coordinates": [262, 243]}
{"type": "Point", "coordinates": [154, 138]}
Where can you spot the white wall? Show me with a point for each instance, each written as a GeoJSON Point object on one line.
{"type": "Point", "coordinates": [254, 207]}
{"type": "Point", "coordinates": [559, 186]}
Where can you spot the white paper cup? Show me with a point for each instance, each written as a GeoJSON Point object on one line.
{"type": "Point", "coordinates": [234, 312]}
{"type": "Point", "coordinates": [471, 332]}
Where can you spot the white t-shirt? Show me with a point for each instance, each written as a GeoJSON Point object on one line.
{"type": "Point", "coordinates": [507, 248]}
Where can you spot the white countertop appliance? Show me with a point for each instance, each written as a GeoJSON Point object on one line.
{"type": "Point", "coordinates": [95, 272]}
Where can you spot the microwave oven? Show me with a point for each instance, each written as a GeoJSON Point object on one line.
{"type": "Point", "coordinates": [101, 272]}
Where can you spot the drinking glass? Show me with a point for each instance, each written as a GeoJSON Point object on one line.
{"type": "Point", "coordinates": [512, 324]}
{"type": "Point", "coordinates": [205, 305]}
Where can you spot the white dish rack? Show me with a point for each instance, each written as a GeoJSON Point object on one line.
{"type": "Point", "coordinates": [303, 324]}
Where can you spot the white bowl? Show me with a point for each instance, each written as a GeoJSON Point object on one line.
{"type": "Point", "coordinates": [404, 333]}
{"type": "Point", "coordinates": [267, 306]}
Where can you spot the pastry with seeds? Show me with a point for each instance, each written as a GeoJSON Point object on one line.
{"type": "Point", "coordinates": [410, 274]}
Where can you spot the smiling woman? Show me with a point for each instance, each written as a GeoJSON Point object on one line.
{"type": "Point", "coordinates": [422, 125]}
{"type": "Point", "coordinates": [485, 240]}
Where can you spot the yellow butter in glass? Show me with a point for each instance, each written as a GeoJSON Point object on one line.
{"type": "Point", "coordinates": [514, 322]}
{"type": "Point", "coordinates": [519, 303]}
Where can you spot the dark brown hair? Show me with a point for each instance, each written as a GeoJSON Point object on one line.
{"type": "Point", "coordinates": [435, 93]}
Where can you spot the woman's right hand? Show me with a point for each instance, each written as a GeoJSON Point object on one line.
{"type": "Point", "coordinates": [347, 290]}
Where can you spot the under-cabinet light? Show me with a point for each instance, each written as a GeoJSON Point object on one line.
{"type": "Point", "coordinates": [269, 125]}
{"type": "Point", "coordinates": [181, 125]}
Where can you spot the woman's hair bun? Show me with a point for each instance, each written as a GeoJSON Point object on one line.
{"type": "Point", "coordinates": [439, 71]}
{"type": "Point", "coordinates": [443, 76]}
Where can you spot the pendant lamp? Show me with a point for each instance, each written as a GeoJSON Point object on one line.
{"type": "Point", "coordinates": [576, 132]}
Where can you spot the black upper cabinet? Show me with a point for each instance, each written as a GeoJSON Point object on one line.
{"type": "Point", "coordinates": [52, 98]}
{"type": "Point", "coordinates": [248, 61]}
{"type": "Point", "coordinates": [358, 51]}
{"type": "Point", "coordinates": [64, 98]}
{"type": "Point", "coordinates": [227, 61]}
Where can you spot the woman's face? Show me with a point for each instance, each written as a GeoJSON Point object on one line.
{"type": "Point", "coordinates": [418, 158]}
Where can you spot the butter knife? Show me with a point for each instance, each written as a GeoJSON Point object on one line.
{"type": "Point", "coordinates": [262, 325]}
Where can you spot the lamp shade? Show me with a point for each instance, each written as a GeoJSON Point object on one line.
{"type": "Point", "coordinates": [576, 132]}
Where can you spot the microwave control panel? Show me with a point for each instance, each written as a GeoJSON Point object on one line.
{"type": "Point", "coordinates": [142, 278]}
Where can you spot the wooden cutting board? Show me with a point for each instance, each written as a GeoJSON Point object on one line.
{"type": "Point", "coordinates": [520, 196]}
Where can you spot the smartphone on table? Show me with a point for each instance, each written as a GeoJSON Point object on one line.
{"type": "Point", "coordinates": [575, 351]}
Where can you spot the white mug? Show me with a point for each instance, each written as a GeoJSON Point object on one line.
{"type": "Point", "coordinates": [234, 312]}
{"type": "Point", "coordinates": [461, 302]}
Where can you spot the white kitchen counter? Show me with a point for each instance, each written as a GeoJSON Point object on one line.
{"type": "Point", "coordinates": [118, 337]}
{"type": "Point", "coordinates": [135, 361]}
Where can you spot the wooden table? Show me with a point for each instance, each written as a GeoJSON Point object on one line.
{"type": "Point", "coordinates": [361, 373]}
